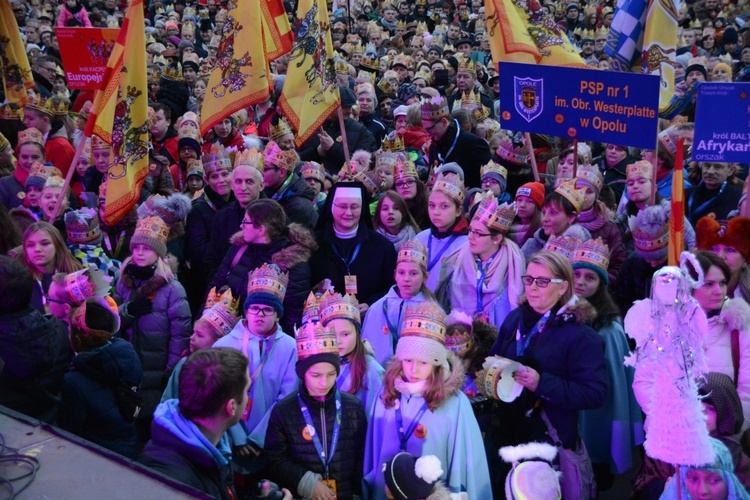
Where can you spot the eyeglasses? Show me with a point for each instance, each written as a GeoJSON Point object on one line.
{"type": "Point", "coordinates": [473, 232]}
{"type": "Point", "coordinates": [405, 184]}
{"type": "Point", "coordinates": [261, 311]}
{"type": "Point", "coordinates": [540, 282]}
{"type": "Point", "coordinates": [344, 208]}
{"type": "Point", "coordinates": [428, 129]}
{"type": "Point", "coordinates": [50, 299]}
{"type": "Point", "coordinates": [246, 223]}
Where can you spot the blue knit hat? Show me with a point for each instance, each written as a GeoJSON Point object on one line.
{"type": "Point", "coordinates": [265, 299]}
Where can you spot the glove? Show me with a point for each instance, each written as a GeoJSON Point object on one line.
{"type": "Point", "coordinates": [140, 307]}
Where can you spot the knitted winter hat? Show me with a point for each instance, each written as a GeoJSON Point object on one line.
{"type": "Point", "coordinates": [594, 255]}
{"type": "Point", "coordinates": [532, 475]}
{"type": "Point", "coordinates": [423, 335]}
{"type": "Point", "coordinates": [650, 230]}
{"type": "Point", "coordinates": [724, 66]}
{"type": "Point", "coordinates": [411, 478]}
{"type": "Point", "coordinates": [732, 233]}
{"type": "Point", "coordinates": [152, 232]}
{"type": "Point", "coordinates": [172, 209]}
{"type": "Point", "coordinates": [533, 190]}
{"type": "Point", "coordinates": [266, 286]}
{"type": "Point", "coordinates": [93, 324]}
{"type": "Point", "coordinates": [719, 391]}
{"type": "Point", "coordinates": [39, 174]}
{"type": "Point", "coordinates": [451, 168]}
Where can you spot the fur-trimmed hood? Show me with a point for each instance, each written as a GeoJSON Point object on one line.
{"type": "Point", "coordinates": [736, 314]}
{"type": "Point", "coordinates": [302, 247]}
{"type": "Point", "coordinates": [149, 287]}
{"type": "Point", "coordinates": [456, 378]}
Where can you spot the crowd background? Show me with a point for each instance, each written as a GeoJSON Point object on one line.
{"type": "Point", "coordinates": [388, 285]}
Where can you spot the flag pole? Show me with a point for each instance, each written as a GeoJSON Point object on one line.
{"type": "Point", "coordinates": [69, 176]}
{"type": "Point", "coordinates": [745, 211]}
{"type": "Point", "coordinates": [575, 157]}
{"type": "Point", "coordinates": [344, 142]}
{"type": "Point", "coordinates": [532, 157]}
{"type": "Point", "coordinates": [654, 166]}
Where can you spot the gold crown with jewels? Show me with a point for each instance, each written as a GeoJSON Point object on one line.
{"type": "Point", "coordinates": [575, 196]}
{"type": "Point", "coordinates": [451, 186]}
{"type": "Point", "coordinates": [221, 311]}
{"type": "Point", "coordinates": [268, 279]}
{"type": "Point", "coordinates": [404, 169]}
{"type": "Point", "coordinates": [275, 156]}
{"type": "Point", "coordinates": [594, 252]}
{"type": "Point", "coordinates": [152, 227]}
{"type": "Point", "coordinates": [425, 320]}
{"type": "Point", "coordinates": [640, 169]}
{"type": "Point", "coordinates": [565, 245]}
{"type": "Point", "coordinates": [494, 168]}
{"type": "Point", "coordinates": [337, 306]}
{"type": "Point", "coordinates": [314, 338]}
{"type": "Point", "coordinates": [497, 217]}
{"type": "Point", "coordinates": [395, 144]}
{"type": "Point", "coordinates": [434, 108]}
{"type": "Point", "coordinates": [413, 251]}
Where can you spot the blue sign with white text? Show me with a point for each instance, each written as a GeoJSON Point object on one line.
{"type": "Point", "coordinates": [722, 123]}
{"type": "Point", "coordinates": [584, 104]}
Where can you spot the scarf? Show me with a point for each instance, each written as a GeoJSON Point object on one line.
{"type": "Point", "coordinates": [590, 220]}
{"type": "Point", "coordinates": [407, 233]}
{"type": "Point", "coordinates": [412, 388]}
{"type": "Point", "coordinates": [517, 231]}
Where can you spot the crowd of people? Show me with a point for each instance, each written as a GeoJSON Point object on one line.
{"type": "Point", "coordinates": [333, 320]}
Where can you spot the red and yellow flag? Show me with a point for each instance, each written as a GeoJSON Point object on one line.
{"type": "Point", "coordinates": [278, 37]}
{"type": "Point", "coordinates": [14, 63]}
{"type": "Point", "coordinates": [677, 213]}
{"type": "Point", "coordinates": [310, 94]}
{"type": "Point", "coordinates": [519, 34]}
{"type": "Point", "coordinates": [120, 116]}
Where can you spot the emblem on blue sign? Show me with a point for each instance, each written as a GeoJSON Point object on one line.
{"type": "Point", "coordinates": [528, 93]}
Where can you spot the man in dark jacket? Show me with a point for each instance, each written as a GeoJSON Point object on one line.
{"type": "Point", "coordinates": [188, 435]}
{"type": "Point", "coordinates": [450, 143]}
{"type": "Point", "coordinates": [613, 165]}
{"type": "Point", "coordinates": [713, 194]}
{"type": "Point", "coordinates": [35, 348]}
{"type": "Point", "coordinates": [368, 103]}
{"type": "Point", "coordinates": [288, 188]}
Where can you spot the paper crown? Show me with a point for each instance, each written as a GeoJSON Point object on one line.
{"type": "Point", "coordinates": [274, 155]}
{"type": "Point", "coordinates": [8, 113]}
{"type": "Point", "coordinates": [587, 35]}
{"type": "Point", "coordinates": [481, 113]}
{"type": "Point", "coordinates": [217, 159]}
{"type": "Point", "coordinates": [592, 252]}
{"type": "Point", "coordinates": [640, 169]}
{"type": "Point", "coordinates": [601, 32]}
{"type": "Point", "coordinates": [341, 67]}
{"type": "Point", "coordinates": [370, 180]}
{"type": "Point", "coordinates": [465, 65]}
{"type": "Point", "coordinates": [413, 251]}
{"type": "Point", "coordinates": [268, 279]}
{"type": "Point", "coordinates": [311, 309]}
{"type": "Point", "coordinates": [38, 103]}
{"type": "Point", "coordinates": [471, 100]}
{"type": "Point", "coordinates": [30, 135]}
{"type": "Point", "coordinates": [98, 143]}
{"type": "Point", "coordinates": [173, 72]}
{"type": "Point", "coordinates": [370, 60]}
{"type": "Point", "coordinates": [195, 167]}
{"type": "Point", "coordinates": [607, 10]}
{"type": "Point", "coordinates": [313, 170]}
{"type": "Point", "coordinates": [4, 143]}
{"type": "Point", "coordinates": [493, 168]}
{"type": "Point", "coordinates": [392, 144]}
{"type": "Point", "coordinates": [54, 181]}
{"type": "Point", "coordinates": [386, 159]}
{"type": "Point", "coordinates": [388, 85]}
{"type": "Point", "coordinates": [280, 130]}
{"type": "Point", "coordinates": [221, 311]}
{"type": "Point", "coordinates": [401, 24]}
{"type": "Point", "coordinates": [314, 339]}
{"type": "Point", "coordinates": [189, 129]}
{"type": "Point", "coordinates": [80, 285]}
{"type": "Point", "coordinates": [401, 60]}
{"type": "Point", "coordinates": [40, 173]}
{"type": "Point", "coordinates": [358, 49]}
{"type": "Point", "coordinates": [82, 226]}
{"type": "Point", "coordinates": [497, 217]}
{"type": "Point", "coordinates": [460, 340]}
{"type": "Point", "coordinates": [590, 10]}
{"type": "Point", "coordinates": [434, 108]}
{"type": "Point", "coordinates": [576, 197]}
{"type": "Point", "coordinates": [650, 230]}
{"type": "Point", "coordinates": [422, 25]}
{"type": "Point", "coordinates": [404, 169]}
{"type": "Point", "coordinates": [364, 75]}
{"type": "Point", "coordinates": [337, 306]}
{"type": "Point", "coordinates": [517, 155]}
{"type": "Point", "coordinates": [152, 227]}
{"type": "Point", "coordinates": [425, 320]}
{"type": "Point", "coordinates": [591, 175]}
{"type": "Point", "coordinates": [451, 186]}
{"type": "Point", "coordinates": [449, 48]}
{"type": "Point", "coordinates": [424, 75]}
{"type": "Point", "coordinates": [565, 245]}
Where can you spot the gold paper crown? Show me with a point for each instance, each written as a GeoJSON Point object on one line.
{"type": "Point", "coordinates": [639, 169]}
{"type": "Point", "coordinates": [404, 169]}
{"type": "Point", "coordinates": [465, 65]}
{"type": "Point", "coordinates": [401, 24]}
{"type": "Point", "coordinates": [471, 100]}
{"type": "Point", "coordinates": [313, 170]}
{"type": "Point", "coordinates": [39, 169]}
{"type": "Point", "coordinates": [37, 103]}
{"type": "Point", "coordinates": [590, 174]}
{"type": "Point", "coordinates": [59, 106]}
{"type": "Point", "coordinates": [424, 320]}
{"type": "Point", "coordinates": [160, 61]}
{"type": "Point", "coordinates": [401, 60]}
{"type": "Point", "coordinates": [173, 72]}
{"type": "Point", "coordinates": [422, 25]}
{"type": "Point", "coordinates": [607, 10]}
{"type": "Point", "coordinates": [274, 155]}
{"type": "Point", "coordinates": [188, 28]}
{"type": "Point", "coordinates": [314, 339]}
{"type": "Point", "coordinates": [565, 245]}
{"type": "Point", "coordinates": [481, 113]}
{"type": "Point", "coordinates": [216, 159]}
{"type": "Point", "coordinates": [370, 60]}
{"type": "Point", "coordinates": [603, 31]}
{"type": "Point", "coordinates": [594, 252]}
{"type": "Point", "coordinates": [413, 251]}
{"type": "Point", "coordinates": [386, 159]}
{"type": "Point", "coordinates": [341, 67]}
{"type": "Point", "coordinates": [497, 217]}
{"type": "Point", "coordinates": [424, 75]}
{"type": "Point", "coordinates": [421, 2]}
{"type": "Point", "coordinates": [575, 196]}
{"type": "Point", "coordinates": [518, 155]}
{"type": "Point", "coordinates": [30, 135]}
{"type": "Point", "coordinates": [696, 24]}
{"type": "Point", "coordinates": [195, 167]}
{"type": "Point", "coordinates": [152, 227]}
{"type": "Point", "coordinates": [358, 49]}
{"type": "Point", "coordinates": [251, 157]}
{"type": "Point", "coordinates": [8, 113]}
{"type": "Point", "coordinates": [451, 186]}
{"type": "Point", "coordinates": [280, 130]}
{"type": "Point", "coordinates": [393, 144]}
{"type": "Point", "coordinates": [494, 168]}
{"type": "Point", "coordinates": [268, 279]}
{"type": "Point", "coordinates": [587, 35]}
{"type": "Point", "coordinates": [648, 242]}
{"type": "Point", "coordinates": [150, 39]}
{"type": "Point", "coordinates": [311, 309]}
{"type": "Point", "coordinates": [589, 10]}
{"type": "Point", "coordinates": [366, 75]}
{"type": "Point", "coordinates": [462, 340]}
{"type": "Point", "coordinates": [98, 143]}
{"type": "Point", "coordinates": [80, 285]}
{"type": "Point", "coordinates": [221, 311]}
{"type": "Point", "coordinates": [388, 85]}
{"type": "Point", "coordinates": [337, 306]}
{"type": "Point", "coordinates": [369, 179]}
{"type": "Point", "coordinates": [4, 143]}
{"type": "Point", "coordinates": [434, 108]}
{"type": "Point", "coordinates": [450, 48]}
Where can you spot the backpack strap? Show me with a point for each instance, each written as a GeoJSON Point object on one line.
{"type": "Point", "coordinates": [238, 256]}
{"type": "Point", "coordinates": [735, 338]}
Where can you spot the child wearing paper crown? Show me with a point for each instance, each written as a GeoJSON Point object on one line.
{"type": "Point", "coordinates": [316, 435]}
{"type": "Point", "coordinates": [360, 375]}
{"type": "Point", "coordinates": [384, 319]}
{"type": "Point", "coordinates": [422, 410]}
{"type": "Point", "coordinates": [272, 355]}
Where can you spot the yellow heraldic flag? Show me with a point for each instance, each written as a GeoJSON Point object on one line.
{"type": "Point", "coordinates": [522, 31]}
{"type": "Point", "coordinates": [659, 47]}
{"type": "Point", "coordinates": [119, 116]}
{"type": "Point", "coordinates": [14, 63]}
{"type": "Point", "coordinates": [278, 37]}
{"type": "Point", "coordinates": [310, 94]}
{"type": "Point", "coordinates": [240, 76]}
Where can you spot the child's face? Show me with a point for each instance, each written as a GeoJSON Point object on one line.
{"type": "Point", "coordinates": [525, 208]}
{"type": "Point", "coordinates": [415, 370]}
{"type": "Point", "coordinates": [346, 335]}
{"type": "Point", "coordinates": [39, 248]}
{"type": "Point", "coordinates": [590, 197]}
{"type": "Point", "coordinates": [202, 338]}
{"type": "Point", "coordinates": [443, 210]}
{"type": "Point", "coordinates": [195, 183]}
{"type": "Point", "coordinates": [407, 188]}
{"type": "Point", "coordinates": [710, 411]}
{"type": "Point", "coordinates": [27, 155]}
{"type": "Point", "coordinates": [390, 216]}
{"type": "Point", "coordinates": [320, 379]}
{"type": "Point", "coordinates": [490, 184]}
{"type": "Point", "coordinates": [34, 194]}
{"type": "Point", "coordinates": [705, 484]}
{"type": "Point", "coordinates": [385, 176]}
{"type": "Point", "coordinates": [144, 256]}
{"type": "Point", "coordinates": [187, 153]}
{"type": "Point", "coordinates": [49, 199]}
{"type": "Point", "coordinates": [639, 189]}
{"type": "Point", "coordinates": [260, 319]}
{"type": "Point", "coordinates": [565, 167]}
{"type": "Point", "coordinates": [83, 165]}
{"type": "Point", "coordinates": [409, 279]}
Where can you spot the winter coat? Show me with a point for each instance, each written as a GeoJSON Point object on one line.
{"type": "Point", "coordinates": [159, 338]}
{"type": "Point", "coordinates": [375, 126]}
{"type": "Point", "coordinates": [539, 240]}
{"type": "Point", "coordinates": [12, 192]}
{"type": "Point", "coordinates": [179, 450]}
{"type": "Point", "coordinates": [74, 19]}
{"type": "Point", "coordinates": [89, 406]}
{"type": "Point", "coordinates": [372, 381]}
{"type": "Point", "coordinates": [719, 203]}
{"type": "Point", "coordinates": [470, 152]}
{"type": "Point", "coordinates": [374, 267]}
{"type": "Point", "coordinates": [290, 252]}
{"type": "Point", "coordinates": [116, 238]}
{"type": "Point", "coordinates": [634, 284]}
{"type": "Point", "coordinates": [36, 352]}
{"type": "Point", "coordinates": [615, 176]}
{"type": "Point", "coordinates": [297, 201]}
{"type": "Point", "coordinates": [717, 345]}
{"type": "Point", "coordinates": [611, 235]}
{"type": "Point", "coordinates": [357, 137]}
{"type": "Point", "coordinates": [291, 456]}
{"type": "Point", "coordinates": [226, 223]}
{"type": "Point", "coordinates": [451, 434]}
{"type": "Point", "coordinates": [439, 246]}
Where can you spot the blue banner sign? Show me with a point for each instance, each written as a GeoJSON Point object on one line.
{"type": "Point", "coordinates": [584, 104]}
{"type": "Point", "coordinates": [722, 123]}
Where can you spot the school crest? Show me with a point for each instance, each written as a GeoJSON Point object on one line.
{"type": "Point", "coordinates": [528, 94]}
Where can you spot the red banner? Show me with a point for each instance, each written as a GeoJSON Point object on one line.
{"type": "Point", "coordinates": [85, 52]}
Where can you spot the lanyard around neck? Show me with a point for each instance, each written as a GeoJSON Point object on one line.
{"type": "Point", "coordinates": [325, 460]}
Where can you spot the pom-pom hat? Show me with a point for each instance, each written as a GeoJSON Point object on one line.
{"type": "Point", "coordinates": [423, 335]}
{"type": "Point", "coordinates": [734, 233]}
{"type": "Point", "coordinates": [316, 344]}
{"type": "Point", "coordinates": [650, 230]}
{"type": "Point", "coordinates": [409, 477]}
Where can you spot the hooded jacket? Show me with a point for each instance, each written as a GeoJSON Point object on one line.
{"type": "Point", "coordinates": [36, 352]}
{"type": "Point", "coordinates": [89, 405]}
{"type": "Point", "coordinates": [297, 201]}
{"type": "Point", "coordinates": [178, 449]}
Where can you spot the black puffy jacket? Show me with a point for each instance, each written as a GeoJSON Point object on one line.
{"type": "Point", "coordinates": [297, 202]}
{"type": "Point", "coordinates": [89, 406]}
{"type": "Point", "coordinates": [290, 456]}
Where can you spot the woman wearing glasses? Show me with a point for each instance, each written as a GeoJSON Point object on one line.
{"type": "Point", "coordinates": [563, 363]}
